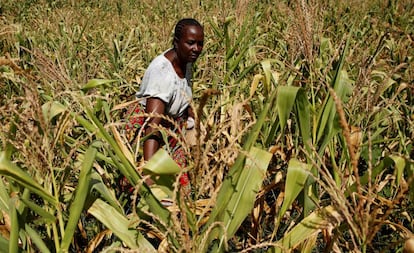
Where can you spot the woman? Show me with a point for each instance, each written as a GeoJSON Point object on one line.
{"type": "Point", "coordinates": [165, 90]}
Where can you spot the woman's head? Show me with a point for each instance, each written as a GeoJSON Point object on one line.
{"type": "Point", "coordinates": [178, 30]}
{"type": "Point", "coordinates": [188, 39]}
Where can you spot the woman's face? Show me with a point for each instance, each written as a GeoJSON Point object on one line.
{"type": "Point", "coordinates": [190, 45]}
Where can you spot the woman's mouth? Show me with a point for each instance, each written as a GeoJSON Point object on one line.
{"type": "Point", "coordinates": [193, 57]}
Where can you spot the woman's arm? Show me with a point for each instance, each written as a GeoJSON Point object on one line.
{"type": "Point", "coordinates": [151, 145]}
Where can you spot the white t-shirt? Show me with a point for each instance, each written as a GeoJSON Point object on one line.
{"type": "Point", "coordinates": [161, 81]}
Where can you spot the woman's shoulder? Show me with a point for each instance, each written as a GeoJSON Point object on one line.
{"type": "Point", "coordinates": [160, 72]}
{"type": "Point", "coordinates": [160, 63]}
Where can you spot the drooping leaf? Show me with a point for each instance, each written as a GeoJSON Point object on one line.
{"type": "Point", "coordinates": [120, 226]}
{"type": "Point", "coordinates": [397, 162]}
{"type": "Point", "coordinates": [122, 145]}
{"type": "Point", "coordinates": [307, 228]}
{"type": "Point", "coordinates": [309, 244]}
{"type": "Point", "coordinates": [255, 84]}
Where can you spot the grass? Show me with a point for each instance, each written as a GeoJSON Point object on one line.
{"type": "Point", "coordinates": [325, 88]}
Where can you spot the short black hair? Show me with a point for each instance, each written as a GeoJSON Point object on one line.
{"type": "Point", "coordinates": [183, 23]}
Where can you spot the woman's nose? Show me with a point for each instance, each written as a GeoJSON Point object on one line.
{"type": "Point", "coordinates": [197, 48]}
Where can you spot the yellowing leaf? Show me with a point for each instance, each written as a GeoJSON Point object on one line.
{"type": "Point", "coordinates": [308, 228]}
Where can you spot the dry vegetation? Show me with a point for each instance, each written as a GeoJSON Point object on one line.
{"type": "Point", "coordinates": [304, 130]}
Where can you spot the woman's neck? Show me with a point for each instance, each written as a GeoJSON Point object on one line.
{"type": "Point", "coordinates": [178, 66]}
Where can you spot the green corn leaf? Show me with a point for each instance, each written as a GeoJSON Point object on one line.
{"type": "Point", "coordinates": [4, 197]}
{"type": "Point", "coordinates": [410, 173]}
{"type": "Point", "coordinates": [342, 87]}
{"type": "Point", "coordinates": [237, 196]}
{"type": "Point", "coordinates": [240, 46]}
{"type": "Point", "coordinates": [13, 172]}
{"type": "Point", "coordinates": [106, 110]}
{"type": "Point", "coordinates": [270, 74]}
{"type": "Point", "coordinates": [297, 174]}
{"type": "Point", "coordinates": [244, 73]}
{"type": "Point", "coordinates": [325, 46]}
{"type": "Point", "coordinates": [39, 210]}
{"type": "Point", "coordinates": [120, 226]}
{"type": "Point", "coordinates": [36, 239]}
{"type": "Point", "coordinates": [97, 184]}
{"type": "Point", "coordinates": [127, 169]}
{"type": "Point", "coordinates": [88, 126]}
{"type": "Point", "coordinates": [274, 123]}
{"type": "Point", "coordinates": [244, 192]}
{"type": "Point", "coordinates": [341, 61]}
{"type": "Point", "coordinates": [231, 51]}
{"type": "Point", "coordinates": [364, 179]}
{"type": "Point", "coordinates": [326, 116]}
{"type": "Point", "coordinates": [4, 244]}
{"type": "Point", "coordinates": [328, 124]}
{"type": "Point", "coordinates": [82, 190]}
{"type": "Point", "coordinates": [304, 118]}
{"type": "Point", "coordinates": [285, 100]}
{"type": "Point", "coordinates": [15, 227]}
{"type": "Point", "coordinates": [9, 148]}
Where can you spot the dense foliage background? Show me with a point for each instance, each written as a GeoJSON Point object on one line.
{"type": "Point", "coordinates": [304, 134]}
